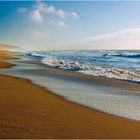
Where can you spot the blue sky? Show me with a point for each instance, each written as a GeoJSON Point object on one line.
{"type": "Point", "coordinates": [43, 25]}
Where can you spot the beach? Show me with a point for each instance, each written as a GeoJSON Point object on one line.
{"type": "Point", "coordinates": [30, 111]}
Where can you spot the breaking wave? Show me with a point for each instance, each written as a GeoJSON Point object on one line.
{"type": "Point", "coordinates": [35, 54]}
{"type": "Point", "coordinates": [92, 70]}
{"type": "Point", "coordinates": [131, 55]}
{"type": "Point", "coordinates": [87, 62]}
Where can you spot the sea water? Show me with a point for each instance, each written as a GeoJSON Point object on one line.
{"type": "Point", "coordinates": [123, 65]}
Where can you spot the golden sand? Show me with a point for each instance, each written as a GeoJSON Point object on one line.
{"type": "Point", "coordinates": [4, 55]}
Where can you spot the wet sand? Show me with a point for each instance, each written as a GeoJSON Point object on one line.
{"type": "Point", "coordinates": [30, 111]}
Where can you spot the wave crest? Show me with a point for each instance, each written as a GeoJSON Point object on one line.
{"type": "Point", "coordinates": [131, 55]}
{"type": "Point", "coordinates": [92, 70]}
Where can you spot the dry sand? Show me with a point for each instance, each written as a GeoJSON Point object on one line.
{"type": "Point", "coordinates": [29, 111]}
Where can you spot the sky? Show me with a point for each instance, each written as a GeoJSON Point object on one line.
{"type": "Point", "coordinates": [70, 25]}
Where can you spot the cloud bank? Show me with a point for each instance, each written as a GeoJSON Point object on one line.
{"type": "Point", "coordinates": [124, 39]}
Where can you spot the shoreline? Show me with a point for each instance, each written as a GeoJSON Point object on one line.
{"type": "Point", "coordinates": [44, 114]}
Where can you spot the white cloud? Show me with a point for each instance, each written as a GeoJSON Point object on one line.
{"type": "Point", "coordinates": [74, 15]}
{"type": "Point", "coordinates": [124, 39]}
{"type": "Point", "coordinates": [127, 34]}
{"type": "Point", "coordinates": [61, 13]}
{"type": "Point", "coordinates": [61, 24]}
{"type": "Point", "coordinates": [50, 9]}
{"type": "Point", "coordinates": [64, 14]}
{"type": "Point", "coordinates": [56, 11]}
{"type": "Point", "coordinates": [41, 8]}
{"type": "Point", "coordinates": [22, 10]}
{"type": "Point", "coordinates": [36, 16]}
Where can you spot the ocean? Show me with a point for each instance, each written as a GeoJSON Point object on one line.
{"type": "Point", "coordinates": [121, 65]}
